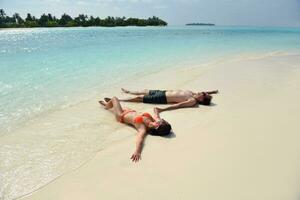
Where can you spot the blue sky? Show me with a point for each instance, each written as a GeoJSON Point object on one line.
{"type": "Point", "coordinates": [175, 12]}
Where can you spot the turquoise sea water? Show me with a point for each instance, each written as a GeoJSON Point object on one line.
{"type": "Point", "coordinates": [44, 69]}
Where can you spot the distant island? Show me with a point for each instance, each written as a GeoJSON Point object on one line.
{"type": "Point", "coordinates": [48, 20]}
{"type": "Point", "coordinates": [200, 24]}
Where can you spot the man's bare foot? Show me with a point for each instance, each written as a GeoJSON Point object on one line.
{"type": "Point", "coordinates": [124, 90]}
{"type": "Point", "coordinates": [107, 99]}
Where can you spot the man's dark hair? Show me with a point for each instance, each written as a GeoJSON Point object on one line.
{"type": "Point", "coordinates": [163, 129]}
{"type": "Point", "coordinates": [206, 100]}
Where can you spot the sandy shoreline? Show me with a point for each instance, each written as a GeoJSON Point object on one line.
{"type": "Point", "coordinates": [243, 147]}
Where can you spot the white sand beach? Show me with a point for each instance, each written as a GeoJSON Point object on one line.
{"type": "Point", "coordinates": [244, 147]}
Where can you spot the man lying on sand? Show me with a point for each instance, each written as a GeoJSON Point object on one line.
{"type": "Point", "coordinates": [143, 122]}
{"type": "Point", "coordinates": [179, 98]}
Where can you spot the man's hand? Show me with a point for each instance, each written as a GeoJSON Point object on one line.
{"type": "Point", "coordinates": [136, 157]}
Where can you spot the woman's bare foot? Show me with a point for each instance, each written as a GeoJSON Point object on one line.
{"type": "Point", "coordinates": [107, 99]}
{"type": "Point", "coordinates": [102, 103]}
{"type": "Point", "coordinates": [124, 90]}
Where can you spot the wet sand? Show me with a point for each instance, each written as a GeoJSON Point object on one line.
{"type": "Point", "coordinates": [244, 146]}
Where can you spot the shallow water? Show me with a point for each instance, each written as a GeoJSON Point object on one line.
{"type": "Point", "coordinates": [45, 70]}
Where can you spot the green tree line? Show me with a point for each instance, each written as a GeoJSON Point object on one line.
{"type": "Point", "coordinates": [48, 20]}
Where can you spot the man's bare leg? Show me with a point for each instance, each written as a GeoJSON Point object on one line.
{"type": "Point", "coordinates": [133, 99]}
{"type": "Point", "coordinates": [141, 92]}
{"type": "Point", "coordinates": [212, 92]}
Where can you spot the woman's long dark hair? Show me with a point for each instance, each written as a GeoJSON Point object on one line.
{"type": "Point", "coordinates": [163, 129]}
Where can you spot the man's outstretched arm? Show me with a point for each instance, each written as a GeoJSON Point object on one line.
{"type": "Point", "coordinates": [184, 104]}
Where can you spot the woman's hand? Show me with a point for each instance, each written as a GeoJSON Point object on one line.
{"type": "Point", "coordinates": [158, 110]}
{"type": "Point", "coordinates": [136, 157]}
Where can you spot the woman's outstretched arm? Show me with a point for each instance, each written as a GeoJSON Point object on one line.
{"type": "Point", "coordinates": [142, 132]}
{"type": "Point", "coordinates": [156, 113]}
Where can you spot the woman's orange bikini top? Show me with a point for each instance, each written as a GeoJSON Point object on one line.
{"type": "Point", "coordinates": [138, 119]}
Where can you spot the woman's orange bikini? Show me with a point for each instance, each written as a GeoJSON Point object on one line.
{"type": "Point", "coordinates": [138, 119]}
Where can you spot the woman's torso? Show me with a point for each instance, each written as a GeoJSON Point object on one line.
{"type": "Point", "coordinates": [134, 118]}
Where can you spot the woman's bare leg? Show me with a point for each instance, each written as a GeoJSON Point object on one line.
{"type": "Point", "coordinates": [141, 92]}
{"type": "Point", "coordinates": [107, 99]}
{"type": "Point", "coordinates": [114, 103]}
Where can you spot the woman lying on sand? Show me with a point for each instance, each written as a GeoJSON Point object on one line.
{"type": "Point", "coordinates": [143, 122]}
